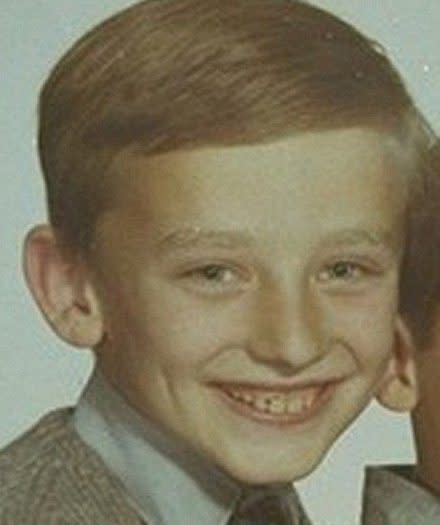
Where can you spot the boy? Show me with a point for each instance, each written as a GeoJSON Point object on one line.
{"type": "Point", "coordinates": [227, 188]}
{"type": "Point", "coordinates": [412, 492]}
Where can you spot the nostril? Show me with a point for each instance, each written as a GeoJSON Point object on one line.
{"type": "Point", "coordinates": [284, 358]}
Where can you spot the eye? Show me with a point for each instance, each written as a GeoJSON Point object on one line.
{"type": "Point", "coordinates": [215, 278]}
{"type": "Point", "coordinates": [341, 271]}
{"type": "Point", "coordinates": [215, 273]}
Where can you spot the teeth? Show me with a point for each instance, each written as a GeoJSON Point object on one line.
{"type": "Point", "coordinates": [277, 403]}
{"type": "Point", "coordinates": [261, 403]}
{"type": "Point", "coordinates": [247, 398]}
{"type": "Point", "coordinates": [295, 405]}
{"type": "Point", "coordinates": [308, 400]}
{"type": "Point", "coordinates": [278, 406]}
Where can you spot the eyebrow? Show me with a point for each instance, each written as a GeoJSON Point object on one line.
{"type": "Point", "coordinates": [196, 237]}
{"type": "Point", "coordinates": [187, 238]}
{"type": "Point", "coordinates": [379, 238]}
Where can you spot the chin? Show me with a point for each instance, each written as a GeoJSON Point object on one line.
{"type": "Point", "coordinates": [262, 473]}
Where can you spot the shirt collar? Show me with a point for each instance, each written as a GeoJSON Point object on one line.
{"type": "Point", "coordinates": [163, 482]}
{"type": "Point", "coordinates": [392, 496]}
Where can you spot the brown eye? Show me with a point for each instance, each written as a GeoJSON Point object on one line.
{"type": "Point", "coordinates": [214, 279]}
{"type": "Point", "coordinates": [341, 270]}
{"type": "Point", "coordinates": [216, 273]}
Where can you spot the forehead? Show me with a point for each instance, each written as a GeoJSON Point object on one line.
{"type": "Point", "coordinates": [330, 179]}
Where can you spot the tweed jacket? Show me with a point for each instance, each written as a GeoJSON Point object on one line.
{"type": "Point", "coordinates": [49, 476]}
{"type": "Point", "coordinates": [392, 496]}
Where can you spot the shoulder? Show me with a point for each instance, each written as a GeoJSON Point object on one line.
{"type": "Point", "coordinates": [49, 475]}
{"type": "Point", "coordinates": [392, 495]}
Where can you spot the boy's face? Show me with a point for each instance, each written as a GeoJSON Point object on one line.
{"type": "Point", "coordinates": [249, 294]}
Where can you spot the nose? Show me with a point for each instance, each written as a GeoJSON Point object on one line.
{"type": "Point", "coordinates": [286, 325]}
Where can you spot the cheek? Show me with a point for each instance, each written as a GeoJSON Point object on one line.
{"type": "Point", "coordinates": [366, 324]}
{"type": "Point", "coordinates": [210, 317]}
{"type": "Point", "coordinates": [176, 330]}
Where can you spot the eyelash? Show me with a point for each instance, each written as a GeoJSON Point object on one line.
{"type": "Point", "coordinates": [356, 271]}
{"type": "Point", "coordinates": [200, 276]}
{"type": "Point", "coordinates": [210, 278]}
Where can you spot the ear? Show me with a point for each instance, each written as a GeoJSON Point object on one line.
{"type": "Point", "coordinates": [61, 288]}
{"type": "Point", "coordinates": [399, 390]}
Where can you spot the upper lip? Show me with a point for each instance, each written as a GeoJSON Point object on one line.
{"type": "Point", "coordinates": [277, 386]}
{"type": "Point", "coordinates": [331, 370]}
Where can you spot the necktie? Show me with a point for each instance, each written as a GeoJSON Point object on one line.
{"type": "Point", "coordinates": [266, 507]}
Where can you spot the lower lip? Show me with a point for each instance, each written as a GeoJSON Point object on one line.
{"type": "Point", "coordinates": [280, 420]}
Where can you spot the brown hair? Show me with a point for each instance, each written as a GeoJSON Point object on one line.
{"type": "Point", "coordinates": [172, 74]}
{"type": "Point", "coordinates": [420, 279]}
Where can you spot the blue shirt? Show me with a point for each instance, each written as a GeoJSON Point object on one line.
{"type": "Point", "coordinates": [165, 482]}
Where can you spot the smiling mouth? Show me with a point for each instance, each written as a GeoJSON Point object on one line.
{"type": "Point", "coordinates": [268, 404]}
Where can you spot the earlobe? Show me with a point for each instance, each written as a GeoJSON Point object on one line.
{"type": "Point", "coordinates": [399, 389]}
{"type": "Point", "coordinates": [61, 289]}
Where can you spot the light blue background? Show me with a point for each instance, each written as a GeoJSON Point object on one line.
{"type": "Point", "coordinates": [37, 372]}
